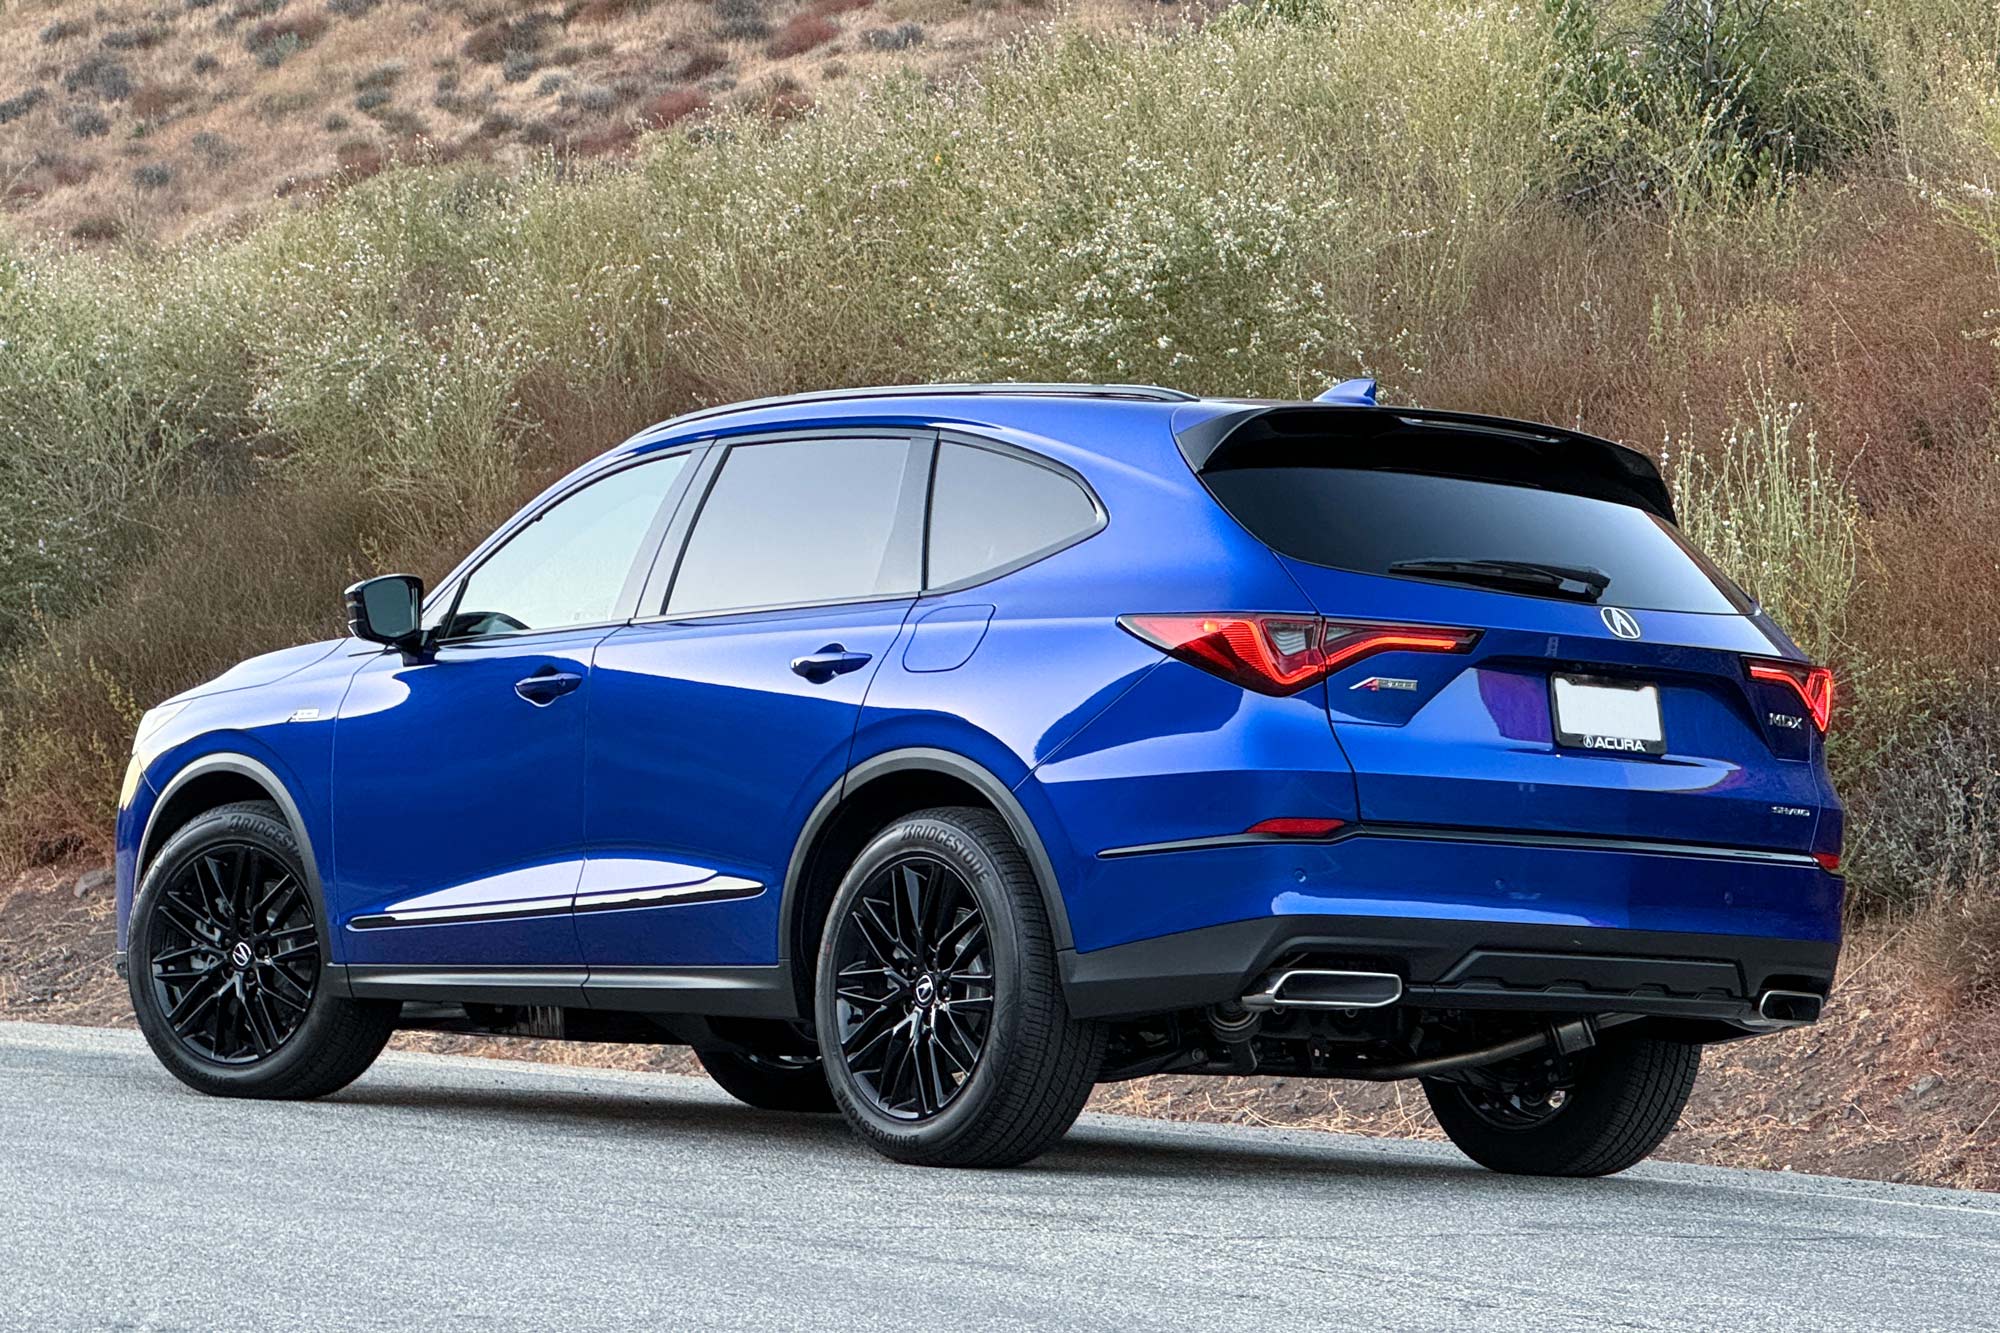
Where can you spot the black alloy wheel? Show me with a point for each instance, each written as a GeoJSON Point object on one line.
{"type": "Point", "coordinates": [914, 987]}
{"type": "Point", "coordinates": [234, 953]}
{"type": "Point", "coordinates": [230, 980]}
{"type": "Point", "coordinates": [1519, 1106]}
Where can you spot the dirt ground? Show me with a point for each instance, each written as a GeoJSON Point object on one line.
{"type": "Point", "coordinates": [1883, 1088]}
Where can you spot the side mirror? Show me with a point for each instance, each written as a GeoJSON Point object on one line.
{"type": "Point", "coordinates": [388, 610]}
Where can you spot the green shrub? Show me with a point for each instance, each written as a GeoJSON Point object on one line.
{"type": "Point", "coordinates": [1696, 102]}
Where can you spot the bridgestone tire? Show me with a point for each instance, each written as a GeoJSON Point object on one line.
{"type": "Point", "coordinates": [1036, 1065]}
{"type": "Point", "coordinates": [1628, 1097]}
{"type": "Point", "coordinates": [335, 1041]}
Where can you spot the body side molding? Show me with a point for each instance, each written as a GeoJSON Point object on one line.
{"type": "Point", "coordinates": [720, 992]}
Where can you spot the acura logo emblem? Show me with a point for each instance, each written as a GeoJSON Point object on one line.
{"type": "Point", "coordinates": [1620, 622]}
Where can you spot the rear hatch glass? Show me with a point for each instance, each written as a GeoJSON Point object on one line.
{"type": "Point", "coordinates": [1444, 529]}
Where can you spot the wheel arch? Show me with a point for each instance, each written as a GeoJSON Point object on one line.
{"type": "Point", "coordinates": [224, 778]}
{"type": "Point", "coordinates": [867, 799]}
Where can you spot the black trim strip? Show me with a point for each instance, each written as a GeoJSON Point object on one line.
{"type": "Point", "coordinates": [1220, 840]}
{"type": "Point", "coordinates": [721, 888]}
{"type": "Point", "coordinates": [480, 985]}
{"type": "Point", "coordinates": [1442, 833]}
{"type": "Point", "coordinates": [730, 992]}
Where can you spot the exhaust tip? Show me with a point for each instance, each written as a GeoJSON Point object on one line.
{"type": "Point", "coordinates": [1790, 1006]}
{"type": "Point", "coordinates": [1325, 988]}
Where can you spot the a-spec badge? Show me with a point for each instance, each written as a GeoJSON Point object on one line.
{"type": "Point", "coordinates": [1620, 621]}
{"type": "Point", "coordinates": [1384, 683]}
{"type": "Point", "coordinates": [303, 715]}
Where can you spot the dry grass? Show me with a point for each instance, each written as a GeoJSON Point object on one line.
{"type": "Point", "coordinates": [499, 89]}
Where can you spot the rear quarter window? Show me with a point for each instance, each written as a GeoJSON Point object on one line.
{"type": "Point", "coordinates": [991, 511]}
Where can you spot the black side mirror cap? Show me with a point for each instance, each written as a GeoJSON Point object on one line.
{"type": "Point", "coordinates": [387, 610]}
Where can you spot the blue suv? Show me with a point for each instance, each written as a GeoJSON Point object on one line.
{"type": "Point", "coordinates": [934, 754]}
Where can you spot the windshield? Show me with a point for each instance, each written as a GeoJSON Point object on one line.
{"type": "Point", "coordinates": [1442, 529]}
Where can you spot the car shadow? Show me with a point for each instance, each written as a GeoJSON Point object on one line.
{"type": "Point", "coordinates": [1104, 1147]}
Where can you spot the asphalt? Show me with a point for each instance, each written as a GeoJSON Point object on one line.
{"type": "Point", "coordinates": [456, 1193]}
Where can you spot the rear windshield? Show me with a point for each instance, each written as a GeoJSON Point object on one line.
{"type": "Point", "coordinates": [1367, 521]}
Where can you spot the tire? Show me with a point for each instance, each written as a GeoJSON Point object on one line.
{"type": "Point", "coordinates": [995, 1069]}
{"type": "Point", "coordinates": [1627, 1097]}
{"type": "Point", "coordinates": [253, 941]}
{"type": "Point", "coordinates": [770, 1083]}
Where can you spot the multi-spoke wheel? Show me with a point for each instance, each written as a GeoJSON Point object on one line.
{"type": "Point", "coordinates": [226, 965]}
{"type": "Point", "coordinates": [913, 962]}
{"type": "Point", "coordinates": [234, 952]}
{"type": "Point", "coordinates": [939, 1008]}
{"type": "Point", "coordinates": [1615, 1106]}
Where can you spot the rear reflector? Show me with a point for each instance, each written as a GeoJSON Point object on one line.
{"type": "Point", "coordinates": [1283, 654]}
{"type": "Point", "coordinates": [1828, 861]}
{"type": "Point", "coordinates": [1813, 685]}
{"type": "Point", "coordinates": [1295, 827]}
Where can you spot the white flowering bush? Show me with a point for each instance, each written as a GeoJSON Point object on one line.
{"type": "Point", "coordinates": [1770, 510]}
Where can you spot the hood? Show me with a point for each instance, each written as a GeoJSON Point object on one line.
{"type": "Point", "coordinates": [264, 669]}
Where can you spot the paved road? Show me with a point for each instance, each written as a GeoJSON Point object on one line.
{"type": "Point", "coordinates": [449, 1193]}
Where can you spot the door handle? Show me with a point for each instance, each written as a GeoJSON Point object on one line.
{"type": "Point", "coordinates": [546, 686]}
{"type": "Point", "coordinates": [830, 661]}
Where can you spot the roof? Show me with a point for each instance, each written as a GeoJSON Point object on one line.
{"type": "Point", "coordinates": [1211, 432]}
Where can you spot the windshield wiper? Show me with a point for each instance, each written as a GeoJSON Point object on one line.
{"type": "Point", "coordinates": [1580, 582]}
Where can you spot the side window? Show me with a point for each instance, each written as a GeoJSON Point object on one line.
{"type": "Point", "coordinates": [990, 509]}
{"type": "Point", "coordinates": [803, 521]}
{"type": "Point", "coordinates": [568, 566]}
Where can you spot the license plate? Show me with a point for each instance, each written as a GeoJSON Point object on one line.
{"type": "Point", "coordinates": [1607, 716]}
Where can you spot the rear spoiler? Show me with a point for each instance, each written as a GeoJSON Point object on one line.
{"type": "Point", "coordinates": [1442, 444]}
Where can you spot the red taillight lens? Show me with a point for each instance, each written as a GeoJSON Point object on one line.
{"type": "Point", "coordinates": [1344, 643]}
{"type": "Point", "coordinates": [1813, 684]}
{"type": "Point", "coordinates": [1828, 861]}
{"type": "Point", "coordinates": [1283, 654]}
{"type": "Point", "coordinates": [1296, 827]}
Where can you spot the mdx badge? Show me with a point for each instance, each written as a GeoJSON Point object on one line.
{"type": "Point", "coordinates": [1620, 622]}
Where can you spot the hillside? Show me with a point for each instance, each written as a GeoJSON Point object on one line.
{"type": "Point", "coordinates": [1757, 238]}
{"type": "Point", "coordinates": [156, 121]}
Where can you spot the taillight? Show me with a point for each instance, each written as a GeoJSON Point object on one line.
{"type": "Point", "coordinates": [1283, 654]}
{"type": "Point", "coordinates": [1813, 684]}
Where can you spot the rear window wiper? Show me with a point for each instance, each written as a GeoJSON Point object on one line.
{"type": "Point", "coordinates": [1576, 581]}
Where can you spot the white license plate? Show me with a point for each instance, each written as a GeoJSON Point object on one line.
{"type": "Point", "coordinates": [1607, 716]}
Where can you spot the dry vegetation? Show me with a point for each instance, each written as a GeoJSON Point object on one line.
{"type": "Point", "coordinates": [155, 121]}
{"type": "Point", "coordinates": [1757, 238]}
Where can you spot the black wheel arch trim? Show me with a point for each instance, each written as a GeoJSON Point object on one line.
{"type": "Point", "coordinates": [945, 763]}
{"type": "Point", "coordinates": [333, 975]}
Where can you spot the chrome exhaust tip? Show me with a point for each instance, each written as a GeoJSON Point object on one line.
{"type": "Point", "coordinates": [1325, 988]}
{"type": "Point", "coordinates": [1789, 1007]}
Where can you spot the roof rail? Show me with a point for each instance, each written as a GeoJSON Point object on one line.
{"type": "Point", "coordinates": [1150, 393]}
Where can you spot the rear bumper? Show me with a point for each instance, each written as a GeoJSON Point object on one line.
{"type": "Point", "coordinates": [1461, 965]}
{"type": "Point", "coordinates": [1468, 921]}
